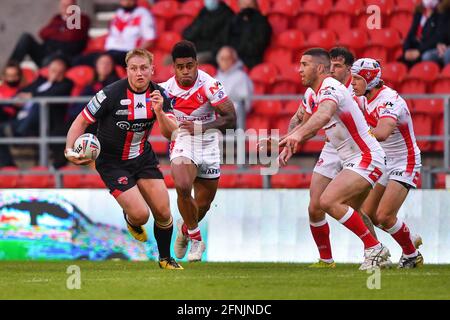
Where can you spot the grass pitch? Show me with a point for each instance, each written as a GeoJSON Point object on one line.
{"type": "Point", "coordinates": [144, 280]}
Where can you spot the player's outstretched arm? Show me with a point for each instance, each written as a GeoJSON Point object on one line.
{"type": "Point", "coordinates": [317, 121]}
{"type": "Point", "coordinates": [77, 128]}
{"type": "Point", "coordinates": [384, 128]}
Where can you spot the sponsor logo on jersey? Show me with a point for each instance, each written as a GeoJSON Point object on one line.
{"type": "Point", "coordinates": [214, 88]}
{"type": "Point", "coordinates": [122, 112]}
{"type": "Point", "coordinates": [139, 106]}
{"type": "Point", "coordinates": [125, 102]}
{"type": "Point", "coordinates": [93, 106]}
{"type": "Point", "coordinates": [135, 127]}
{"type": "Point", "coordinates": [122, 180]}
{"type": "Point", "coordinates": [220, 94]}
{"type": "Point", "coordinates": [100, 96]}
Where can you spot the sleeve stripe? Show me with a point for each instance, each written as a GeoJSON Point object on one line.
{"type": "Point", "coordinates": [87, 116]}
{"type": "Point", "coordinates": [219, 102]}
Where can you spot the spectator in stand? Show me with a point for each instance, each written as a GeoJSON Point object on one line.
{"type": "Point", "coordinates": [12, 78]}
{"type": "Point", "coordinates": [132, 27]}
{"type": "Point", "coordinates": [249, 33]}
{"type": "Point", "coordinates": [26, 122]}
{"type": "Point", "coordinates": [58, 38]}
{"type": "Point", "coordinates": [441, 54]}
{"type": "Point", "coordinates": [236, 82]}
{"type": "Point", "coordinates": [205, 29]}
{"type": "Point", "coordinates": [426, 32]}
{"type": "Point", "coordinates": [105, 74]}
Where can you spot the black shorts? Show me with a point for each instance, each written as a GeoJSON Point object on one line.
{"type": "Point", "coordinates": [119, 176]}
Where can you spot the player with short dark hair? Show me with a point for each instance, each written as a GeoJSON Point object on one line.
{"type": "Point", "coordinates": [336, 111]}
{"type": "Point", "coordinates": [126, 111]}
{"type": "Point", "coordinates": [194, 153]}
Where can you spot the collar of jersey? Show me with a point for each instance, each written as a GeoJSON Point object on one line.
{"type": "Point", "coordinates": [150, 86]}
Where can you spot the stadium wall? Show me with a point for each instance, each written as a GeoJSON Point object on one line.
{"type": "Point", "coordinates": [245, 225]}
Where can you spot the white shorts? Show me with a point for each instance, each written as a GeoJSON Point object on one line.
{"type": "Point", "coordinates": [370, 167]}
{"type": "Point", "coordinates": [329, 163]}
{"type": "Point", "coordinates": [396, 169]}
{"type": "Point", "coordinates": [205, 154]}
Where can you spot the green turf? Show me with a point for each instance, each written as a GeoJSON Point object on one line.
{"type": "Point", "coordinates": [144, 280]}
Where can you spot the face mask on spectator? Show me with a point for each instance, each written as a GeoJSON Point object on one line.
{"type": "Point", "coordinates": [128, 9]}
{"type": "Point", "coordinates": [13, 84]}
{"type": "Point", "coordinates": [211, 5]}
{"type": "Point", "coordinates": [430, 4]}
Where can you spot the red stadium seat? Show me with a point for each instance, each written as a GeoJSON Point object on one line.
{"type": "Point", "coordinates": [401, 21]}
{"type": "Point", "coordinates": [282, 124]}
{"type": "Point", "coordinates": [352, 7]}
{"type": "Point", "coordinates": [338, 21]}
{"type": "Point", "coordinates": [162, 73]}
{"type": "Point", "coordinates": [192, 7]}
{"type": "Point", "coordinates": [290, 107]}
{"type": "Point", "coordinates": [386, 6]}
{"type": "Point", "coordinates": [121, 72]}
{"type": "Point", "coordinates": [164, 12]}
{"type": "Point", "coordinates": [208, 68]}
{"type": "Point", "coordinates": [263, 75]}
{"type": "Point", "coordinates": [320, 7]}
{"type": "Point", "coordinates": [441, 86]}
{"type": "Point", "coordinates": [439, 181]}
{"type": "Point", "coordinates": [387, 37]}
{"type": "Point", "coordinates": [278, 56]}
{"type": "Point", "coordinates": [423, 127]}
{"type": "Point", "coordinates": [96, 44]}
{"type": "Point", "coordinates": [182, 22]}
{"type": "Point", "coordinates": [354, 39]}
{"type": "Point", "coordinates": [37, 181]}
{"type": "Point", "coordinates": [393, 73]}
{"type": "Point", "coordinates": [267, 108]}
{"type": "Point", "coordinates": [288, 81]}
{"type": "Point", "coordinates": [438, 129]}
{"type": "Point", "coordinates": [413, 86]}
{"type": "Point", "coordinates": [281, 14]}
{"type": "Point", "coordinates": [166, 40]}
{"type": "Point", "coordinates": [286, 7]}
{"type": "Point", "coordinates": [445, 72]}
{"type": "Point", "coordinates": [307, 22]}
{"type": "Point", "coordinates": [228, 180]}
{"type": "Point", "coordinates": [257, 122]}
{"type": "Point", "coordinates": [81, 75]}
{"type": "Point", "coordinates": [291, 39]}
{"type": "Point", "coordinates": [427, 71]}
{"type": "Point", "coordinates": [322, 38]}
{"type": "Point", "coordinates": [432, 107]}
{"type": "Point", "coordinates": [9, 181]}
{"type": "Point", "coordinates": [264, 6]}
{"type": "Point", "coordinates": [407, 6]}
{"type": "Point", "coordinates": [378, 53]}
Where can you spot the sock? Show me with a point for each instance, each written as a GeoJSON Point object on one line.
{"type": "Point", "coordinates": [195, 234]}
{"type": "Point", "coordinates": [321, 234]}
{"type": "Point", "coordinates": [354, 223]}
{"type": "Point", "coordinates": [184, 229]}
{"type": "Point", "coordinates": [163, 236]}
{"type": "Point", "coordinates": [400, 233]}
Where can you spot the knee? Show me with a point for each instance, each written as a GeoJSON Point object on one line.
{"type": "Point", "coordinates": [139, 216]}
{"type": "Point", "coordinates": [384, 219]}
{"type": "Point", "coordinates": [203, 207]}
{"type": "Point", "coordinates": [184, 189]}
{"type": "Point", "coordinates": [326, 203]}
{"type": "Point", "coordinates": [315, 211]}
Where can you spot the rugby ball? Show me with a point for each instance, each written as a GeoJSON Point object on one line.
{"type": "Point", "coordinates": [88, 145]}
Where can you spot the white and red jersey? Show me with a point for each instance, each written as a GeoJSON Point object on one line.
{"type": "Point", "coordinates": [387, 103]}
{"type": "Point", "coordinates": [129, 29]}
{"type": "Point", "coordinates": [347, 130]}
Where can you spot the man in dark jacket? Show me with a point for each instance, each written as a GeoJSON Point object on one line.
{"type": "Point", "coordinates": [204, 31]}
{"type": "Point", "coordinates": [249, 33]}
{"type": "Point", "coordinates": [59, 38]}
{"type": "Point", "coordinates": [26, 122]}
{"type": "Point", "coordinates": [425, 33]}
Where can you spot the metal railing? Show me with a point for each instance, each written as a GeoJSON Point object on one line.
{"type": "Point", "coordinates": [44, 140]}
